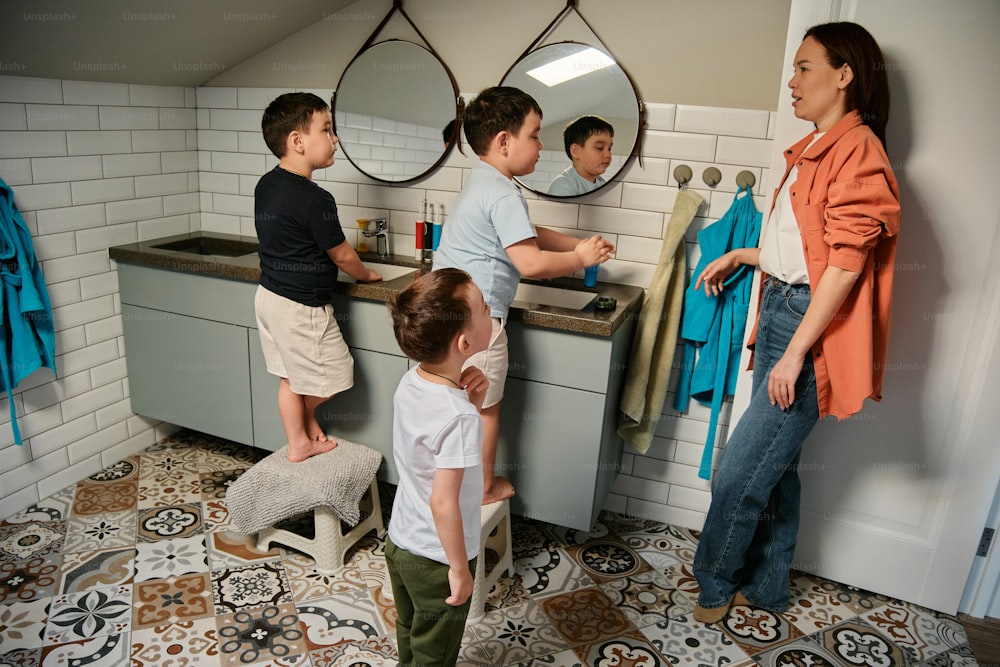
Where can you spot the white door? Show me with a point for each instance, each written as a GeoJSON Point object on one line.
{"type": "Point", "coordinates": [895, 499]}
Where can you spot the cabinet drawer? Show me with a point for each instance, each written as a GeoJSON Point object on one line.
{"type": "Point", "coordinates": [365, 324]}
{"type": "Point", "coordinates": [189, 371]}
{"type": "Point", "coordinates": [560, 358]}
{"type": "Point", "coordinates": [199, 296]}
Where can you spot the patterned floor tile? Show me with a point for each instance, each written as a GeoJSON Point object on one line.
{"type": "Point", "coordinates": [585, 615]}
{"type": "Point", "coordinates": [567, 658]}
{"type": "Point", "coordinates": [376, 652]}
{"type": "Point", "coordinates": [529, 537]}
{"type": "Point", "coordinates": [920, 631]}
{"type": "Point", "coordinates": [216, 455]}
{"type": "Point", "coordinates": [31, 579]}
{"type": "Point", "coordinates": [21, 657]}
{"type": "Point", "coordinates": [103, 651]}
{"type": "Point", "coordinates": [174, 463]}
{"type": "Point", "coordinates": [169, 558]}
{"type": "Point", "coordinates": [855, 642]}
{"type": "Point", "coordinates": [507, 592]}
{"type": "Point", "coordinates": [647, 598]}
{"type": "Point", "coordinates": [164, 489]}
{"type": "Point", "coordinates": [229, 548]}
{"type": "Point", "coordinates": [94, 613]}
{"type": "Point", "coordinates": [168, 601]}
{"type": "Point", "coordinates": [631, 649]}
{"type": "Point", "coordinates": [22, 624]}
{"type": "Point", "coordinates": [214, 484]}
{"type": "Point", "coordinates": [55, 507]}
{"type": "Point", "coordinates": [215, 515]}
{"type": "Point", "coordinates": [264, 635]}
{"type": "Point", "coordinates": [160, 523]}
{"type": "Point", "coordinates": [757, 630]}
{"type": "Point", "coordinates": [126, 469]}
{"type": "Point", "coordinates": [309, 584]}
{"type": "Point", "coordinates": [802, 652]}
{"type": "Point", "coordinates": [345, 617]}
{"type": "Point", "coordinates": [25, 541]}
{"type": "Point", "coordinates": [88, 532]}
{"type": "Point", "coordinates": [957, 656]}
{"type": "Point", "coordinates": [684, 641]}
{"type": "Point", "coordinates": [187, 643]}
{"type": "Point", "coordinates": [815, 606]}
{"type": "Point", "coordinates": [550, 571]}
{"type": "Point", "coordinates": [512, 635]}
{"type": "Point", "coordinates": [607, 559]}
{"type": "Point", "coordinates": [254, 586]}
{"type": "Point", "coordinates": [105, 568]}
{"type": "Point", "coordinates": [662, 546]}
{"type": "Point", "coordinates": [100, 497]}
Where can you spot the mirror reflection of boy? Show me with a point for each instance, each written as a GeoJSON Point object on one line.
{"type": "Point", "coordinates": [588, 141]}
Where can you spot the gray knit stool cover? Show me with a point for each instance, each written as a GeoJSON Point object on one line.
{"type": "Point", "coordinates": [332, 485]}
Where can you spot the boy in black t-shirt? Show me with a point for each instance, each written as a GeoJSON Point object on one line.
{"type": "Point", "coordinates": [301, 246]}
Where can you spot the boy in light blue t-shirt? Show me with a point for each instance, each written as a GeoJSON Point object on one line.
{"type": "Point", "coordinates": [490, 235]}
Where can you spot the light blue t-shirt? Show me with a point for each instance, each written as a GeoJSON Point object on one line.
{"type": "Point", "coordinates": [570, 183]}
{"type": "Point", "coordinates": [489, 215]}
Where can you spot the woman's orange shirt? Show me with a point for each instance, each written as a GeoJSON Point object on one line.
{"type": "Point", "coordinates": [846, 204]}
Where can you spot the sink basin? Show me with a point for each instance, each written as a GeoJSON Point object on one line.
{"type": "Point", "coordinates": [387, 271]}
{"type": "Point", "coordinates": [205, 245]}
{"type": "Point", "coordinates": [529, 295]}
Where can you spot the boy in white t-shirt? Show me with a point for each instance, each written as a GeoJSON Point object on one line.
{"type": "Point", "coordinates": [440, 321]}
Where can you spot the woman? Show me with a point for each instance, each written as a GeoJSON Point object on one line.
{"type": "Point", "coordinates": [826, 255]}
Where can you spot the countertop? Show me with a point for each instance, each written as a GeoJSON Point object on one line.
{"type": "Point", "coordinates": [243, 265]}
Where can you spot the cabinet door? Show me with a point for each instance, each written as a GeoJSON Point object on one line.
{"type": "Point", "coordinates": [550, 444]}
{"type": "Point", "coordinates": [363, 413]}
{"type": "Point", "coordinates": [268, 432]}
{"type": "Point", "coordinates": [188, 371]}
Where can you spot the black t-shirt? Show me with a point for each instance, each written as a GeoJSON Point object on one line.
{"type": "Point", "coordinates": [296, 223]}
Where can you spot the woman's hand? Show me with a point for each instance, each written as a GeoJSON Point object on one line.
{"type": "Point", "coordinates": [781, 380]}
{"type": "Point", "coordinates": [717, 271]}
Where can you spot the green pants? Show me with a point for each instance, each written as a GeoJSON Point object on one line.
{"type": "Point", "coordinates": [428, 631]}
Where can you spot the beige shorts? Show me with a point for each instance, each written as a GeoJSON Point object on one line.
{"type": "Point", "coordinates": [303, 344]}
{"type": "Point", "coordinates": [493, 363]}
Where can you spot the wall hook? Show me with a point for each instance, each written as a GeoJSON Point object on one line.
{"type": "Point", "coordinates": [745, 179]}
{"type": "Point", "coordinates": [712, 176]}
{"type": "Point", "coordinates": [682, 174]}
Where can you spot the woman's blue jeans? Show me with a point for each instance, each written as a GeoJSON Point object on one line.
{"type": "Point", "coordinates": [748, 540]}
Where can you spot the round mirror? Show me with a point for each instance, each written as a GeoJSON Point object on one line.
{"type": "Point", "coordinates": [570, 80]}
{"type": "Point", "coordinates": [391, 108]}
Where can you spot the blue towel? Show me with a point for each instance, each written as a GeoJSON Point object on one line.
{"type": "Point", "coordinates": [27, 338]}
{"type": "Point", "coordinates": [712, 326]}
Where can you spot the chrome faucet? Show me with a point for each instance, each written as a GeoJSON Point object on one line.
{"type": "Point", "coordinates": [381, 235]}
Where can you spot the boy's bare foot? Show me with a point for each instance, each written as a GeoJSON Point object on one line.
{"type": "Point", "coordinates": [501, 489]}
{"type": "Point", "coordinates": [302, 451]}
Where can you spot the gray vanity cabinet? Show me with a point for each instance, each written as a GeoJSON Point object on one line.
{"type": "Point", "coordinates": [194, 359]}
{"type": "Point", "coordinates": [558, 443]}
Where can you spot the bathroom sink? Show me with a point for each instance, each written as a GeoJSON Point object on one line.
{"type": "Point", "coordinates": [530, 295]}
{"type": "Point", "coordinates": [206, 245]}
{"type": "Point", "coordinates": [387, 271]}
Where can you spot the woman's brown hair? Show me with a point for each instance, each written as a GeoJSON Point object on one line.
{"type": "Point", "coordinates": [868, 93]}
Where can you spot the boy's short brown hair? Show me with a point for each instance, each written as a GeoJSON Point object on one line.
{"type": "Point", "coordinates": [584, 128]}
{"type": "Point", "coordinates": [430, 312]}
{"type": "Point", "coordinates": [288, 112]}
{"type": "Point", "coordinates": [494, 110]}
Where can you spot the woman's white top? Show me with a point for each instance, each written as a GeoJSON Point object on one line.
{"type": "Point", "coordinates": [781, 253]}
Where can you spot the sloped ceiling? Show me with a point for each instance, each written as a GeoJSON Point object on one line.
{"type": "Point", "coordinates": [169, 42]}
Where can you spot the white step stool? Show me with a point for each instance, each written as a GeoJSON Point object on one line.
{"type": "Point", "coordinates": [335, 486]}
{"type": "Point", "coordinates": [495, 536]}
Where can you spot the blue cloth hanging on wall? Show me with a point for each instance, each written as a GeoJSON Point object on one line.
{"type": "Point", "coordinates": [712, 326]}
{"type": "Point", "coordinates": [27, 337]}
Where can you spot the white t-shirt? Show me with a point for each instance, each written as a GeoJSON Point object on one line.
{"type": "Point", "coordinates": [489, 215]}
{"type": "Point", "coordinates": [781, 253]}
{"type": "Point", "coordinates": [434, 426]}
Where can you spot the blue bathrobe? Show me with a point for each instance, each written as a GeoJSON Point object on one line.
{"type": "Point", "coordinates": [27, 339]}
{"type": "Point", "coordinates": [712, 326]}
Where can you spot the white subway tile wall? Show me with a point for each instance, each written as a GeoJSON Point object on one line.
{"type": "Point", "coordinates": [165, 160]}
{"type": "Point", "coordinates": [92, 165]}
